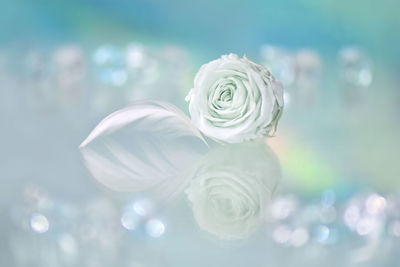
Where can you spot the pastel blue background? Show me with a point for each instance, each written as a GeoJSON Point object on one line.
{"type": "Point", "coordinates": [211, 26]}
{"type": "Point", "coordinates": [332, 144]}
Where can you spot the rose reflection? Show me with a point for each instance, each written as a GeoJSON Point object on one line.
{"type": "Point", "coordinates": [232, 188]}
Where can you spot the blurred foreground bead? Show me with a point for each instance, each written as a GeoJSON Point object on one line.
{"type": "Point", "coordinates": [70, 71]}
{"type": "Point", "coordinates": [308, 67]}
{"type": "Point", "coordinates": [280, 63]}
{"type": "Point", "coordinates": [283, 207]}
{"type": "Point", "coordinates": [375, 204]}
{"type": "Point", "coordinates": [40, 93]}
{"type": "Point", "coordinates": [300, 72]}
{"type": "Point", "coordinates": [135, 55]}
{"type": "Point", "coordinates": [356, 75]}
{"type": "Point", "coordinates": [328, 198]}
{"type": "Point", "coordinates": [130, 220]}
{"type": "Point", "coordinates": [39, 223]}
{"type": "Point", "coordinates": [395, 228]}
{"type": "Point", "coordinates": [355, 67]}
{"type": "Point", "coordinates": [109, 66]}
{"type": "Point", "coordinates": [322, 233]}
{"type": "Point", "coordinates": [143, 207]}
{"type": "Point", "coordinates": [282, 234]}
{"type": "Point", "coordinates": [155, 228]}
{"type": "Point", "coordinates": [351, 216]}
{"type": "Point", "coordinates": [68, 246]}
{"type": "Point", "coordinates": [299, 237]}
{"type": "Point", "coordinates": [367, 225]}
{"type": "Point", "coordinates": [136, 212]}
{"type": "Point", "coordinates": [308, 77]}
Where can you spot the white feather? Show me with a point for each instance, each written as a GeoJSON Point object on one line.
{"type": "Point", "coordinates": [149, 146]}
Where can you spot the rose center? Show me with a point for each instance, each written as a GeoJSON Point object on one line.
{"type": "Point", "coordinates": [226, 95]}
{"type": "Point", "coordinates": [224, 207]}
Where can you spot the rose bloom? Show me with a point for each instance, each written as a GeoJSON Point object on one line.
{"type": "Point", "coordinates": [232, 188]}
{"type": "Point", "coordinates": [235, 99]}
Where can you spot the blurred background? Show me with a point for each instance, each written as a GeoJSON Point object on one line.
{"type": "Point", "coordinates": [65, 65]}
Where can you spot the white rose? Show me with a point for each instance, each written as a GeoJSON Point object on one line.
{"type": "Point", "coordinates": [232, 188]}
{"type": "Point", "coordinates": [235, 99]}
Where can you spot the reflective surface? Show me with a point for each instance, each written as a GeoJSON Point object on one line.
{"type": "Point", "coordinates": [336, 147]}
